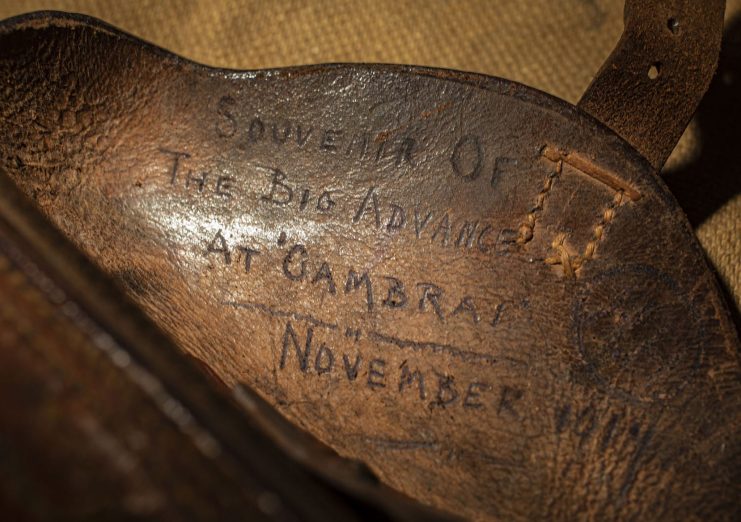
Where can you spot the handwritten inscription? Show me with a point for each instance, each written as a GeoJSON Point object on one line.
{"type": "Point", "coordinates": [392, 217]}
{"type": "Point", "coordinates": [307, 352]}
{"type": "Point", "coordinates": [281, 193]}
{"type": "Point", "coordinates": [612, 432]}
{"type": "Point", "coordinates": [386, 212]}
{"type": "Point", "coordinates": [607, 427]}
{"type": "Point", "coordinates": [202, 182]}
{"type": "Point", "coordinates": [441, 228]}
{"type": "Point", "coordinates": [471, 157]}
{"type": "Point", "coordinates": [364, 208]}
{"type": "Point", "coordinates": [374, 291]}
{"type": "Point", "coordinates": [359, 145]}
{"type": "Point", "coordinates": [385, 291]}
{"type": "Point", "coordinates": [470, 160]}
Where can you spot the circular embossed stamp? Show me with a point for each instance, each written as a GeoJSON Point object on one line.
{"type": "Point", "coordinates": [632, 324]}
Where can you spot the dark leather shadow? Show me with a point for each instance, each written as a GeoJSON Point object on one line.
{"type": "Point", "coordinates": [714, 176]}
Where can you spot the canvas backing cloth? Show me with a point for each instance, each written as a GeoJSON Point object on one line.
{"type": "Point", "coordinates": [554, 45]}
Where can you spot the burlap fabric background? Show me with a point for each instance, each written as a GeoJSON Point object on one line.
{"type": "Point", "coordinates": [554, 45]}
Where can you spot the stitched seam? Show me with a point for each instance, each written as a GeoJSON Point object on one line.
{"type": "Point", "coordinates": [527, 227]}
{"type": "Point", "coordinates": [571, 264]}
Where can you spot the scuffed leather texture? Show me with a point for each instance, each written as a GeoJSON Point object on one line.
{"type": "Point", "coordinates": [556, 50]}
{"type": "Point", "coordinates": [103, 417]}
{"type": "Point", "coordinates": [652, 83]}
{"type": "Point", "coordinates": [474, 288]}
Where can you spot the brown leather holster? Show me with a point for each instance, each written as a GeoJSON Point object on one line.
{"type": "Point", "coordinates": [484, 294]}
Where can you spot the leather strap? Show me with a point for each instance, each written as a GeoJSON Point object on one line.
{"type": "Point", "coordinates": [653, 81]}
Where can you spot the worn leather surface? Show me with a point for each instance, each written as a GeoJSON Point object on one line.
{"type": "Point", "coordinates": [482, 293]}
{"type": "Point", "coordinates": [556, 50]}
{"type": "Point", "coordinates": [104, 419]}
{"type": "Point", "coordinates": [651, 85]}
